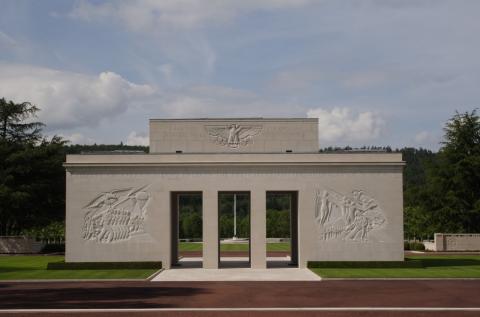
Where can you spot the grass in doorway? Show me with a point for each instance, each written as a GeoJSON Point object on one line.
{"type": "Point", "coordinates": [198, 246]}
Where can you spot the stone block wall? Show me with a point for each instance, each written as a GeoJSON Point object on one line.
{"type": "Point", "coordinates": [457, 242]}
{"type": "Point", "coordinates": [19, 244]}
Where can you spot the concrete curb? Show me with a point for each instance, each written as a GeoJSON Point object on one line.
{"type": "Point", "coordinates": [249, 309]}
{"type": "Point", "coordinates": [151, 277]}
{"type": "Point", "coordinates": [401, 279]}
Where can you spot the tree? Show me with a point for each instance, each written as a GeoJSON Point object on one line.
{"type": "Point", "coordinates": [32, 179]}
{"type": "Point", "coordinates": [14, 121]}
{"type": "Point", "coordinates": [452, 191]}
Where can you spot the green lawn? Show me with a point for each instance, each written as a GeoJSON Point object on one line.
{"type": "Point", "coordinates": [195, 246]}
{"type": "Point", "coordinates": [452, 266]}
{"type": "Point", "coordinates": [35, 267]}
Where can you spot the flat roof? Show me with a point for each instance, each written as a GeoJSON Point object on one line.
{"type": "Point", "coordinates": [238, 119]}
{"type": "Point", "coordinates": [226, 159]}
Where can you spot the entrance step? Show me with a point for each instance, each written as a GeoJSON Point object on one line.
{"type": "Point", "coordinates": [236, 274]}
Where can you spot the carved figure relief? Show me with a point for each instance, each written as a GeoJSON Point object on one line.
{"type": "Point", "coordinates": [348, 218]}
{"type": "Point", "coordinates": [234, 135]}
{"type": "Point", "coordinates": [116, 215]}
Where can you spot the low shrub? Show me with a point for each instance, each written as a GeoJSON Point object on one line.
{"type": "Point", "coordinates": [413, 245]}
{"type": "Point", "coordinates": [103, 265]}
{"type": "Point", "coordinates": [417, 246]}
{"type": "Point", "coordinates": [54, 248]}
{"type": "Point", "coordinates": [408, 263]}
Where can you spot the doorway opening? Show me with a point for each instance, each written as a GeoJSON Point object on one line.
{"type": "Point", "coordinates": [234, 229]}
{"type": "Point", "coordinates": [282, 228]}
{"type": "Point", "coordinates": [187, 233]}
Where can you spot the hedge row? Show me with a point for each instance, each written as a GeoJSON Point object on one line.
{"type": "Point", "coordinates": [54, 248]}
{"type": "Point", "coordinates": [413, 245]}
{"type": "Point", "coordinates": [408, 263]}
{"type": "Point", "coordinates": [102, 265]}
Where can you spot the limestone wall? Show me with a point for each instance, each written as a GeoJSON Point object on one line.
{"type": "Point", "coordinates": [457, 242]}
{"type": "Point", "coordinates": [247, 135]}
{"type": "Point", "coordinates": [349, 206]}
{"type": "Point", "coordinates": [19, 244]}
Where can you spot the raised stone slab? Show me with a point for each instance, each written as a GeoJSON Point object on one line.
{"type": "Point", "coordinates": [248, 135]}
{"type": "Point", "coordinates": [237, 274]}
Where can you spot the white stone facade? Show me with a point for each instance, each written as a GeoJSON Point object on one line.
{"type": "Point", "coordinates": [349, 205]}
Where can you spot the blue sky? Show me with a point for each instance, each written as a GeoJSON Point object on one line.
{"type": "Point", "coordinates": [374, 72]}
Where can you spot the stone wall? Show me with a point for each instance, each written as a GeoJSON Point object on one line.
{"type": "Point", "coordinates": [233, 135]}
{"type": "Point", "coordinates": [349, 205]}
{"type": "Point", "coordinates": [457, 242]}
{"type": "Point", "coordinates": [19, 244]}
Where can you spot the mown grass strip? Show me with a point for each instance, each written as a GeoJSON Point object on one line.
{"type": "Point", "coordinates": [198, 246]}
{"type": "Point", "coordinates": [34, 267]}
{"type": "Point", "coordinates": [454, 266]}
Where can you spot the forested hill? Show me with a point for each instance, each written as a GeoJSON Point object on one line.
{"type": "Point", "coordinates": [78, 149]}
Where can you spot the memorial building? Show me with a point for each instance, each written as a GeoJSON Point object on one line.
{"type": "Point", "coordinates": [344, 206]}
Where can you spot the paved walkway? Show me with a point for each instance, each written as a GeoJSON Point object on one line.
{"type": "Point", "coordinates": [236, 274]}
{"type": "Point", "coordinates": [235, 269]}
{"type": "Point", "coordinates": [246, 295]}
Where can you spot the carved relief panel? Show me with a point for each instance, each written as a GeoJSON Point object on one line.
{"type": "Point", "coordinates": [342, 217]}
{"type": "Point", "coordinates": [116, 215]}
{"type": "Point", "coordinates": [232, 136]}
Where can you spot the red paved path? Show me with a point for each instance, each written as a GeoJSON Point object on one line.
{"type": "Point", "coordinates": [464, 293]}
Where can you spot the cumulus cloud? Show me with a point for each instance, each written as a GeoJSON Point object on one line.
{"type": "Point", "coordinates": [67, 99]}
{"type": "Point", "coordinates": [140, 15]}
{"type": "Point", "coordinates": [135, 138]}
{"type": "Point", "coordinates": [343, 125]}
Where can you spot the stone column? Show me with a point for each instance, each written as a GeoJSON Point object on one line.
{"type": "Point", "coordinates": [210, 229]}
{"type": "Point", "coordinates": [439, 243]}
{"type": "Point", "coordinates": [258, 225]}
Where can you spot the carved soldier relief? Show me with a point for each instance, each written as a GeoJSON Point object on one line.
{"type": "Point", "coordinates": [233, 135]}
{"type": "Point", "coordinates": [116, 215]}
{"type": "Point", "coordinates": [347, 217]}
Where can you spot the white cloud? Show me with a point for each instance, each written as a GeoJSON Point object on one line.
{"type": "Point", "coordinates": [69, 99]}
{"type": "Point", "coordinates": [135, 138]}
{"type": "Point", "coordinates": [140, 15]}
{"type": "Point", "coordinates": [219, 101]}
{"type": "Point", "coordinates": [427, 139]}
{"type": "Point", "coordinates": [77, 138]}
{"type": "Point", "coordinates": [343, 125]}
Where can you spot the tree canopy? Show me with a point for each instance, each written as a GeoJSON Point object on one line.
{"type": "Point", "coordinates": [31, 173]}
{"type": "Point", "coordinates": [15, 121]}
{"type": "Point", "coordinates": [445, 197]}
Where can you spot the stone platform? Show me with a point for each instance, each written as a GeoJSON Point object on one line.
{"type": "Point", "coordinates": [236, 269]}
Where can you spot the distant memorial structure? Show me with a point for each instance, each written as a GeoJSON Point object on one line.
{"type": "Point", "coordinates": [124, 207]}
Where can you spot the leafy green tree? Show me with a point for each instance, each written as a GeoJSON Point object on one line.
{"type": "Point", "coordinates": [278, 223]}
{"type": "Point", "coordinates": [451, 195]}
{"type": "Point", "coordinates": [455, 179]}
{"type": "Point", "coordinates": [32, 179]}
{"type": "Point", "coordinates": [15, 124]}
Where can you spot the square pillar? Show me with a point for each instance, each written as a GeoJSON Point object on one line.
{"type": "Point", "coordinates": [258, 227]}
{"type": "Point", "coordinates": [210, 229]}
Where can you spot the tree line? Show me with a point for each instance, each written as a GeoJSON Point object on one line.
{"type": "Point", "coordinates": [441, 189]}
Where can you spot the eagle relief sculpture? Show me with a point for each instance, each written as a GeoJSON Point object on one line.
{"type": "Point", "coordinates": [347, 218]}
{"type": "Point", "coordinates": [233, 135]}
{"type": "Point", "coordinates": [116, 215]}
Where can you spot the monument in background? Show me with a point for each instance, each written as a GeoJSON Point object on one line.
{"type": "Point", "coordinates": [121, 207]}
